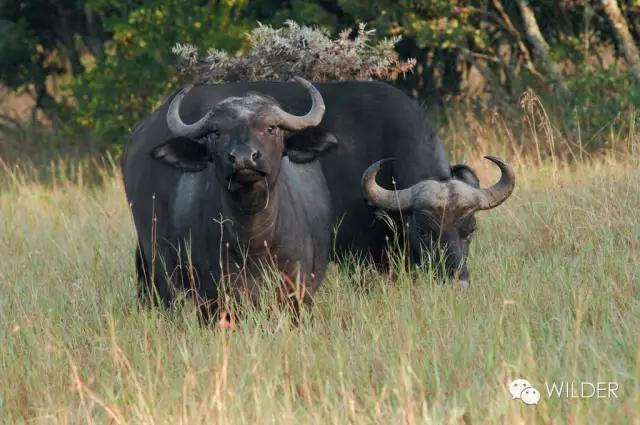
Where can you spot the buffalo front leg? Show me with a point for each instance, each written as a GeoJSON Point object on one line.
{"type": "Point", "coordinates": [154, 288]}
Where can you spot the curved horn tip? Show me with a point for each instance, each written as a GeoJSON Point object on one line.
{"type": "Point", "coordinates": [390, 200]}
{"type": "Point", "coordinates": [495, 160]}
{"type": "Point", "coordinates": [495, 195]}
{"type": "Point", "coordinates": [301, 81]}
{"type": "Point", "coordinates": [373, 169]}
{"type": "Point", "coordinates": [312, 118]}
{"type": "Point", "coordinates": [503, 166]}
{"type": "Point", "coordinates": [175, 123]}
{"type": "Point", "coordinates": [379, 164]}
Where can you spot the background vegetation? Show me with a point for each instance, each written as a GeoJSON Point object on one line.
{"type": "Point", "coordinates": [94, 68]}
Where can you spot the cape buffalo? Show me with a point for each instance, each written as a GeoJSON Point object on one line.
{"type": "Point", "coordinates": [439, 214]}
{"type": "Point", "coordinates": [218, 199]}
{"type": "Point", "coordinates": [372, 121]}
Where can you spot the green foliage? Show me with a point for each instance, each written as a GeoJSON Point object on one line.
{"type": "Point", "coordinates": [136, 73]}
{"type": "Point", "coordinates": [442, 24]}
{"type": "Point", "coordinates": [17, 53]}
{"type": "Point", "coordinates": [29, 42]}
{"type": "Point", "coordinates": [599, 98]}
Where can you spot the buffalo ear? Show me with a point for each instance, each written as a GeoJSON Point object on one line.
{"type": "Point", "coordinates": [306, 145]}
{"type": "Point", "coordinates": [182, 153]}
{"type": "Point", "coordinates": [465, 174]}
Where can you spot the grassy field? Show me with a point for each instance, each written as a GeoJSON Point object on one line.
{"type": "Point", "coordinates": [555, 297]}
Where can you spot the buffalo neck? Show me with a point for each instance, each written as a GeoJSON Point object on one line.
{"type": "Point", "coordinates": [250, 217]}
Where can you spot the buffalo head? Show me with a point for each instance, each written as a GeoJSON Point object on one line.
{"type": "Point", "coordinates": [441, 213]}
{"type": "Point", "coordinates": [244, 137]}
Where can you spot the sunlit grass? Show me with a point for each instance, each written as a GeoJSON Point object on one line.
{"type": "Point", "coordinates": [555, 297]}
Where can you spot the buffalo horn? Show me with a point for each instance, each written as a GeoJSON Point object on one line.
{"type": "Point", "coordinates": [312, 118]}
{"type": "Point", "coordinates": [177, 126]}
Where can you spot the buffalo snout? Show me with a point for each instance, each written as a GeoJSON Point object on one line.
{"type": "Point", "coordinates": [244, 158]}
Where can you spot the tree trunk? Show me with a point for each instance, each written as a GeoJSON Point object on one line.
{"type": "Point", "coordinates": [537, 40]}
{"type": "Point", "coordinates": [65, 35]}
{"type": "Point", "coordinates": [95, 35]}
{"type": "Point", "coordinates": [43, 100]}
{"type": "Point", "coordinates": [624, 37]}
{"type": "Point", "coordinates": [514, 32]}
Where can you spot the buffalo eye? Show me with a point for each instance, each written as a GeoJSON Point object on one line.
{"type": "Point", "coordinates": [271, 129]}
{"type": "Point", "coordinates": [216, 133]}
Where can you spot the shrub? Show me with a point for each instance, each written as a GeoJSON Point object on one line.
{"type": "Point", "coordinates": [279, 54]}
{"type": "Point", "coordinates": [600, 97]}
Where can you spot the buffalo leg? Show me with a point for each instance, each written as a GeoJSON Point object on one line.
{"type": "Point", "coordinates": [201, 291]}
{"type": "Point", "coordinates": [141, 274]}
{"type": "Point", "coordinates": [153, 285]}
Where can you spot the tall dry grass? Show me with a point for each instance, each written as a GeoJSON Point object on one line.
{"type": "Point", "coordinates": [555, 297]}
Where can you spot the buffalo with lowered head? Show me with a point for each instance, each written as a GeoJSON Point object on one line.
{"type": "Point", "coordinates": [439, 214]}
{"type": "Point", "coordinates": [218, 194]}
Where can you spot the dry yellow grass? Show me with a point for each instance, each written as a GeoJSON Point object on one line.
{"type": "Point", "coordinates": [555, 297]}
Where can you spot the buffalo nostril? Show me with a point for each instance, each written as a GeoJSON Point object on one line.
{"type": "Point", "coordinates": [255, 155]}
{"type": "Point", "coordinates": [232, 158]}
